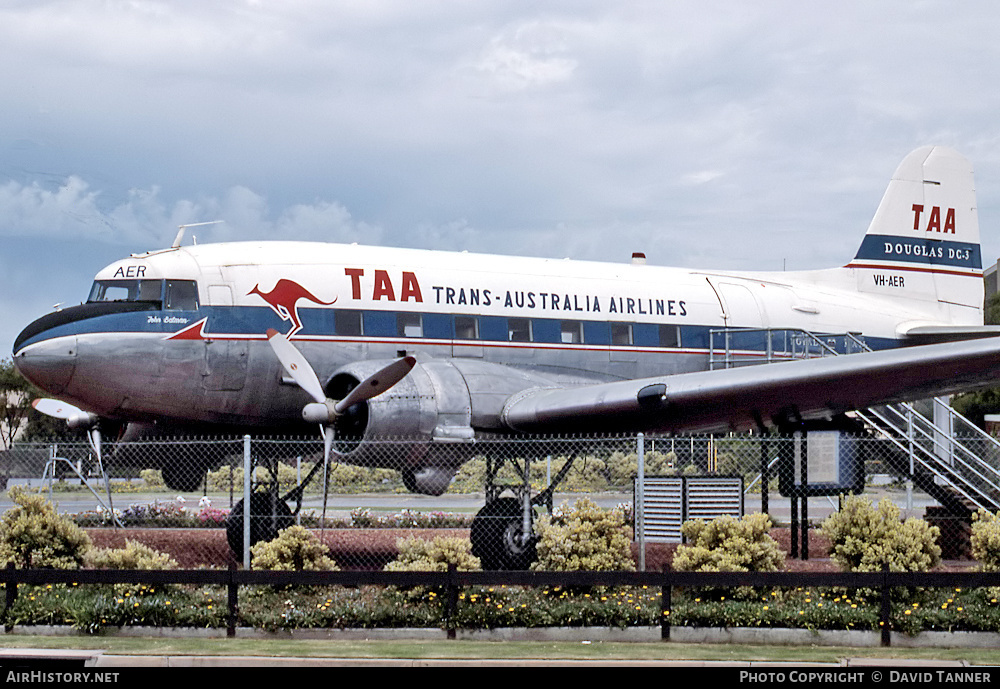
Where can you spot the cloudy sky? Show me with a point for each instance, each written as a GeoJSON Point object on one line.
{"type": "Point", "coordinates": [742, 135]}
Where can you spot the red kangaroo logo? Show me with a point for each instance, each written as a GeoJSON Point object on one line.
{"type": "Point", "coordinates": [284, 300]}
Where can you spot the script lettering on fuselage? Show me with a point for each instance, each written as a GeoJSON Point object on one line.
{"type": "Point", "coordinates": [934, 219]}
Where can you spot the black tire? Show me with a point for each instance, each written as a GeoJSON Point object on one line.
{"type": "Point", "coordinates": [183, 476]}
{"type": "Point", "coordinates": [269, 514]}
{"type": "Point", "coordinates": [496, 536]}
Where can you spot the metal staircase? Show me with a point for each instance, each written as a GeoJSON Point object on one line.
{"type": "Point", "coordinates": [943, 453]}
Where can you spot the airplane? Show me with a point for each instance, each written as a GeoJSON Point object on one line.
{"type": "Point", "coordinates": [446, 348]}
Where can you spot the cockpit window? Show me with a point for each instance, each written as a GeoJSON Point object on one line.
{"type": "Point", "coordinates": [126, 290]}
{"type": "Point", "coordinates": [181, 295]}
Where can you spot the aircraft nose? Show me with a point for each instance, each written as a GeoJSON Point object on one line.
{"type": "Point", "coordinates": [48, 364]}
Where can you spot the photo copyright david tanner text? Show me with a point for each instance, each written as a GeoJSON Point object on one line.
{"type": "Point", "coordinates": [861, 676]}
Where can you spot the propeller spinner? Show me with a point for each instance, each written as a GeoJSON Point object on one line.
{"type": "Point", "coordinates": [324, 410]}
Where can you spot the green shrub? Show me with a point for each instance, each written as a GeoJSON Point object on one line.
{"type": "Point", "coordinates": [34, 535]}
{"type": "Point", "coordinates": [863, 537]}
{"type": "Point", "coordinates": [727, 544]}
{"type": "Point", "coordinates": [585, 537]}
{"type": "Point", "coordinates": [153, 478]}
{"type": "Point", "coordinates": [986, 540]}
{"type": "Point", "coordinates": [294, 549]}
{"type": "Point", "coordinates": [134, 555]}
{"type": "Point", "coordinates": [419, 555]}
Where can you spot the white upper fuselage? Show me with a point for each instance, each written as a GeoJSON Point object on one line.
{"type": "Point", "coordinates": [881, 306]}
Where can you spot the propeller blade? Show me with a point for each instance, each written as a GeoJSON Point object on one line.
{"type": "Point", "coordinates": [377, 383]}
{"type": "Point", "coordinates": [56, 408]}
{"type": "Point", "coordinates": [296, 365]}
{"type": "Point", "coordinates": [73, 416]}
{"type": "Point", "coordinates": [328, 433]}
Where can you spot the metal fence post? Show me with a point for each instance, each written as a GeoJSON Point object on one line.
{"type": "Point", "coordinates": [246, 502]}
{"type": "Point", "coordinates": [638, 515]}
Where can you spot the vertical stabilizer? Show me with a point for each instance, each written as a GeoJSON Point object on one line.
{"type": "Point", "coordinates": [923, 243]}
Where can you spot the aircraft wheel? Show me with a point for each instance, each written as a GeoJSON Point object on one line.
{"type": "Point", "coordinates": [183, 477]}
{"type": "Point", "coordinates": [496, 536]}
{"type": "Point", "coordinates": [266, 520]}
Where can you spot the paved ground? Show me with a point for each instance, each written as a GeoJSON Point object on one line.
{"type": "Point", "coordinates": [100, 659]}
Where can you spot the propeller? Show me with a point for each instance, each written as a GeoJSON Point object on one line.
{"type": "Point", "coordinates": [73, 416]}
{"type": "Point", "coordinates": [324, 410]}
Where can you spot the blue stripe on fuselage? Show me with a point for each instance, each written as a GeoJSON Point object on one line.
{"type": "Point", "coordinates": [251, 322]}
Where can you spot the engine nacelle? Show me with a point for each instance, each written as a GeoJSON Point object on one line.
{"type": "Point", "coordinates": [417, 422]}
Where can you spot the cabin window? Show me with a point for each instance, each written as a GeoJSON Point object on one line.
{"type": "Point", "coordinates": [571, 332]}
{"type": "Point", "coordinates": [181, 295]}
{"type": "Point", "coordinates": [466, 328]}
{"type": "Point", "coordinates": [409, 325]}
{"type": "Point", "coordinates": [126, 290]}
{"type": "Point", "coordinates": [621, 333]}
{"type": "Point", "coordinates": [519, 330]}
{"type": "Point", "coordinates": [347, 322]}
{"type": "Point", "coordinates": [670, 336]}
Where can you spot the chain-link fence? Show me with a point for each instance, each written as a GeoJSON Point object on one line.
{"type": "Point", "coordinates": [188, 498]}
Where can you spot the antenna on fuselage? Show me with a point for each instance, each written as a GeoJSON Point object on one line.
{"type": "Point", "coordinates": [181, 228]}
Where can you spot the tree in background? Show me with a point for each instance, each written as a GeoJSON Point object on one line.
{"type": "Point", "coordinates": [15, 402]}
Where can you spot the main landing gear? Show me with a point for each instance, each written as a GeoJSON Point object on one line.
{"type": "Point", "coordinates": [502, 533]}
{"type": "Point", "coordinates": [269, 511]}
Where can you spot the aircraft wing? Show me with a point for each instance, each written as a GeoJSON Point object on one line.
{"type": "Point", "coordinates": [741, 398]}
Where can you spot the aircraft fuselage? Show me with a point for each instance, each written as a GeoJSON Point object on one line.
{"type": "Point", "coordinates": [180, 334]}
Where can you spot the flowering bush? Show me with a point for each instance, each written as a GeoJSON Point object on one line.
{"type": "Point", "coordinates": [985, 540]}
{"type": "Point", "coordinates": [362, 517]}
{"type": "Point", "coordinates": [865, 537]}
{"type": "Point", "coordinates": [584, 537]}
{"type": "Point", "coordinates": [726, 544]}
{"type": "Point", "coordinates": [419, 555]}
{"type": "Point", "coordinates": [294, 549]}
{"type": "Point", "coordinates": [32, 534]}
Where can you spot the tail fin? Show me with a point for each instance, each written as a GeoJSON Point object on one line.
{"type": "Point", "coordinates": [924, 238]}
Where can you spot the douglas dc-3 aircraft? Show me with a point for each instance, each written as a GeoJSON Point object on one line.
{"type": "Point", "coordinates": [445, 348]}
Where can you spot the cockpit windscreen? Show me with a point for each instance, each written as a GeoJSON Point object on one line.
{"type": "Point", "coordinates": [126, 290]}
